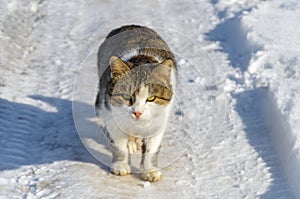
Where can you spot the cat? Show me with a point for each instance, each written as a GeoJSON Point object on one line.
{"type": "Point", "coordinates": [137, 73]}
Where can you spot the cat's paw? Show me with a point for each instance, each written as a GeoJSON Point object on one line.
{"type": "Point", "coordinates": [152, 175]}
{"type": "Point", "coordinates": [120, 168]}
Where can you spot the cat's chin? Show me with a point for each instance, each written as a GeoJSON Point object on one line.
{"type": "Point", "coordinates": [140, 127]}
{"type": "Point", "coordinates": [141, 120]}
{"type": "Point", "coordinates": [141, 123]}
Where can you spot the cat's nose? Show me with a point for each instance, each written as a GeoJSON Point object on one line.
{"type": "Point", "coordinates": [137, 114]}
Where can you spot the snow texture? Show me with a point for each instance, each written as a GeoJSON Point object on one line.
{"type": "Point", "coordinates": [235, 128]}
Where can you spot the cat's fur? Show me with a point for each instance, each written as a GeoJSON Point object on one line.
{"type": "Point", "coordinates": [136, 90]}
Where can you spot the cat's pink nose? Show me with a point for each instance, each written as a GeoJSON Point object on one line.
{"type": "Point", "coordinates": [137, 114]}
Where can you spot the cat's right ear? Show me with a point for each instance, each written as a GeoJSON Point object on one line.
{"type": "Point", "coordinates": [118, 67]}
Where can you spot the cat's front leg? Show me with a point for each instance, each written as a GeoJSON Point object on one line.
{"type": "Point", "coordinates": [120, 164]}
{"type": "Point", "coordinates": [149, 164]}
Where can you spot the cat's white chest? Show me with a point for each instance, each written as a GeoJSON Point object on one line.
{"type": "Point", "coordinates": [119, 122]}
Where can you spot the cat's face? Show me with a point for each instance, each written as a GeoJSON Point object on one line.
{"type": "Point", "coordinates": [140, 96]}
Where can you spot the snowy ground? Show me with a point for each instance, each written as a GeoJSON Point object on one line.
{"type": "Point", "coordinates": [249, 105]}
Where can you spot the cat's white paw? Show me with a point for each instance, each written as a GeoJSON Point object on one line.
{"type": "Point", "coordinates": [152, 175]}
{"type": "Point", "coordinates": [120, 168]}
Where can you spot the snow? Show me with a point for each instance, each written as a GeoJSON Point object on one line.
{"type": "Point", "coordinates": [278, 65]}
{"type": "Point", "coordinates": [234, 131]}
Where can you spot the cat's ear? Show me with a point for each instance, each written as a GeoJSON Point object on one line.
{"type": "Point", "coordinates": [164, 69]}
{"type": "Point", "coordinates": [118, 67]}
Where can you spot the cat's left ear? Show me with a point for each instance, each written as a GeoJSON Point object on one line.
{"type": "Point", "coordinates": [164, 69]}
{"type": "Point", "coordinates": [118, 67]}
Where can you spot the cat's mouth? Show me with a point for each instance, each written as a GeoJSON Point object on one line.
{"type": "Point", "coordinates": [141, 119]}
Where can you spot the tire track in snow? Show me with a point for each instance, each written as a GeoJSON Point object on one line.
{"type": "Point", "coordinates": [21, 123]}
{"type": "Point", "coordinates": [17, 123]}
{"type": "Point", "coordinates": [250, 108]}
{"type": "Point", "coordinates": [34, 130]}
{"type": "Point", "coordinates": [247, 102]}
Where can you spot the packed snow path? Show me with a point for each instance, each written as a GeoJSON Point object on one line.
{"type": "Point", "coordinates": [44, 43]}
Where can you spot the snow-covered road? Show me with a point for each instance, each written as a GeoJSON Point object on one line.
{"type": "Point", "coordinates": [248, 107]}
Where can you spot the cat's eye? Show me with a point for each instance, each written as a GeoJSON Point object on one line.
{"type": "Point", "coordinates": [151, 99]}
{"type": "Point", "coordinates": [126, 97]}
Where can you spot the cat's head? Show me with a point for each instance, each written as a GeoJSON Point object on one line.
{"type": "Point", "coordinates": [140, 96]}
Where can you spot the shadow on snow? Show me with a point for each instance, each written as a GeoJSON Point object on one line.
{"type": "Point", "coordinates": [250, 108]}
{"type": "Point", "coordinates": [30, 135]}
